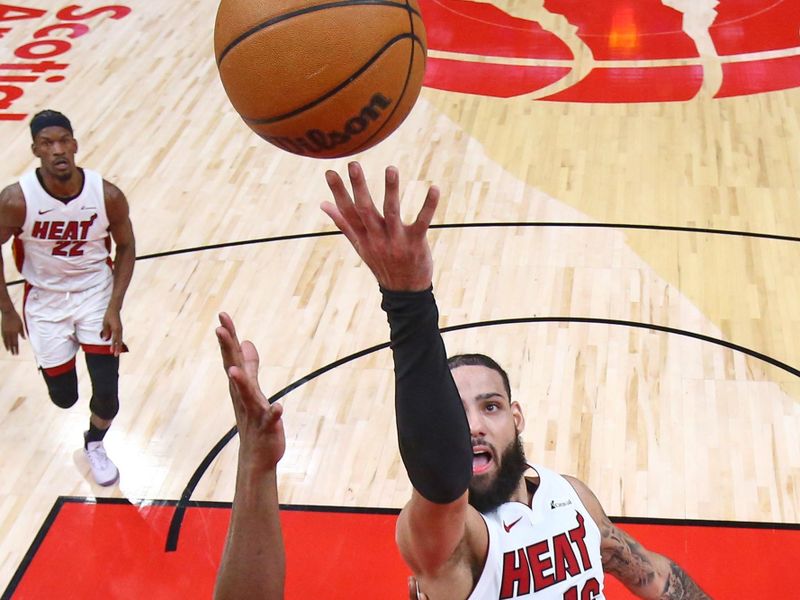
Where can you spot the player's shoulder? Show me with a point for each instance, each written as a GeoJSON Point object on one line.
{"type": "Point", "coordinates": [583, 490]}
{"type": "Point", "coordinates": [112, 192]}
{"type": "Point", "coordinates": [589, 500]}
{"type": "Point", "coordinates": [12, 193]}
{"type": "Point", "coordinates": [12, 199]}
{"type": "Point", "coordinates": [115, 201]}
{"type": "Point", "coordinates": [12, 206]}
{"type": "Point", "coordinates": [574, 481]}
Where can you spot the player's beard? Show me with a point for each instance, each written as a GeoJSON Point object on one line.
{"type": "Point", "coordinates": [499, 491]}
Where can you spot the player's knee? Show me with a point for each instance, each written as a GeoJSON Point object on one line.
{"type": "Point", "coordinates": [63, 388]}
{"type": "Point", "coordinates": [104, 406]}
{"type": "Point", "coordinates": [104, 373]}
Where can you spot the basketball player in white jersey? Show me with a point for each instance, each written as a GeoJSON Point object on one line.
{"type": "Point", "coordinates": [62, 219]}
{"type": "Point", "coordinates": [476, 526]}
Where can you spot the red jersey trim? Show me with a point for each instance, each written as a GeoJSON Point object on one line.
{"type": "Point", "coordinates": [26, 290]}
{"type": "Point", "coordinates": [98, 349]}
{"type": "Point", "coordinates": [60, 369]}
{"type": "Point", "coordinates": [18, 252]}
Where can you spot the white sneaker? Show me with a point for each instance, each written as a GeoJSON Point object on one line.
{"type": "Point", "coordinates": [104, 471]}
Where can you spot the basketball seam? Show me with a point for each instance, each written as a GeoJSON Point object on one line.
{"type": "Point", "coordinates": [242, 37]}
{"type": "Point", "coordinates": [335, 90]}
{"type": "Point", "coordinates": [405, 86]}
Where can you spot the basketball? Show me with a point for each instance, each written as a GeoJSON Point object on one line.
{"type": "Point", "coordinates": [320, 78]}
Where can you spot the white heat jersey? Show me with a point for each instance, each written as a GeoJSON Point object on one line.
{"type": "Point", "coordinates": [64, 246]}
{"type": "Point", "coordinates": [549, 550]}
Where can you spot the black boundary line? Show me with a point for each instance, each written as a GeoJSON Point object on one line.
{"type": "Point", "coordinates": [706, 523]}
{"type": "Point", "coordinates": [309, 9]}
{"type": "Point", "coordinates": [186, 496]}
{"type": "Point", "coordinates": [375, 510]}
{"type": "Point", "coordinates": [61, 500]}
{"type": "Point", "coordinates": [177, 518]}
{"type": "Point", "coordinates": [34, 548]}
{"type": "Point", "coordinates": [488, 224]}
{"type": "Point", "coordinates": [185, 500]}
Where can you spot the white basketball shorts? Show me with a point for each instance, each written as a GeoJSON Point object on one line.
{"type": "Point", "coordinates": [58, 323]}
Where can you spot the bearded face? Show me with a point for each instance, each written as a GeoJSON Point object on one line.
{"type": "Point", "coordinates": [488, 491]}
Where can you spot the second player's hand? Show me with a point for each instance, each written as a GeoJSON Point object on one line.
{"type": "Point", "coordinates": [112, 329]}
{"type": "Point", "coordinates": [13, 329]}
{"type": "Point", "coordinates": [262, 441]}
{"type": "Point", "coordinates": [397, 254]}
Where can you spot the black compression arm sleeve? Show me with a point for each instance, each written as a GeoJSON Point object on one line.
{"type": "Point", "coordinates": [432, 428]}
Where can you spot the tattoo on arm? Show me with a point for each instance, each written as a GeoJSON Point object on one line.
{"type": "Point", "coordinates": [640, 570]}
{"type": "Point", "coordinates": [625, 558]}
{"type": "Point", "coordinates": [680, 586]}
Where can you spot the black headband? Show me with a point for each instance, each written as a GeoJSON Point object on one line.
{"type": "Point", "coordinates": [49, 118]}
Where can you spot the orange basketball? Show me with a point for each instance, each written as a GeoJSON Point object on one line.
{"type": "Point", "coordinates": [321, 78]}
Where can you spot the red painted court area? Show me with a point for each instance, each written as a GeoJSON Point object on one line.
{"type": "Point", "coordinates": [615, 32]}
{"type": "Point", "coordinates": [114, 549]}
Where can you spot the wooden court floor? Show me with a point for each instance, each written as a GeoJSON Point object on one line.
{"type": "Point", "coordinates": [620, 229]}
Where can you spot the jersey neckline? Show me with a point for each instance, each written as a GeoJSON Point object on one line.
{"type": "Point", "coordinates": [68, 199]}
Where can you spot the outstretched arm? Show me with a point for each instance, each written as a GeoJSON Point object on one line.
{"type": "Point", "coordinates": [253, 563]}
{"type": "Point", "coordinates": [432, 428]}
{"type": "Point", "coordinates": [645, 573]}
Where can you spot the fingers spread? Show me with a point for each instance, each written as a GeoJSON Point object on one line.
{"type": "Point", "coordinates": [340, 194]}
{"type": "Point", "coordinates": [368, 214]}
{"type": "Point", "coordinates": [349, 220]}
{"type": "Point", "coordinates": [425, 216]}
{"type": "Point", "coordinates": [339, 220]}
{"type": "Point", "coordinates": [391, 202]}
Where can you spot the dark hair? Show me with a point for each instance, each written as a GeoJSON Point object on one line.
{"type": "Point", "coordinates": [48, 118]}
{"type": "Point", "coordinates": [480, 360]}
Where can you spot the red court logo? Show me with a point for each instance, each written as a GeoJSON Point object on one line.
{"type": "Point", "coordinates": [43, 58]}
{"type": "Point", "coordinates": [639, 50]}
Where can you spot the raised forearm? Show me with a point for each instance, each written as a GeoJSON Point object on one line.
{"type": "Point", "coordinates": [432, 428]}
{"type": "Point", "coordinates": [253, 563]}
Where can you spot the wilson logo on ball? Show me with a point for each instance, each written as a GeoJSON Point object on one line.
{"type": "Point", "coordinates": [316, 141]}
{"type": "Point", "coordinates": [298, 71]}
